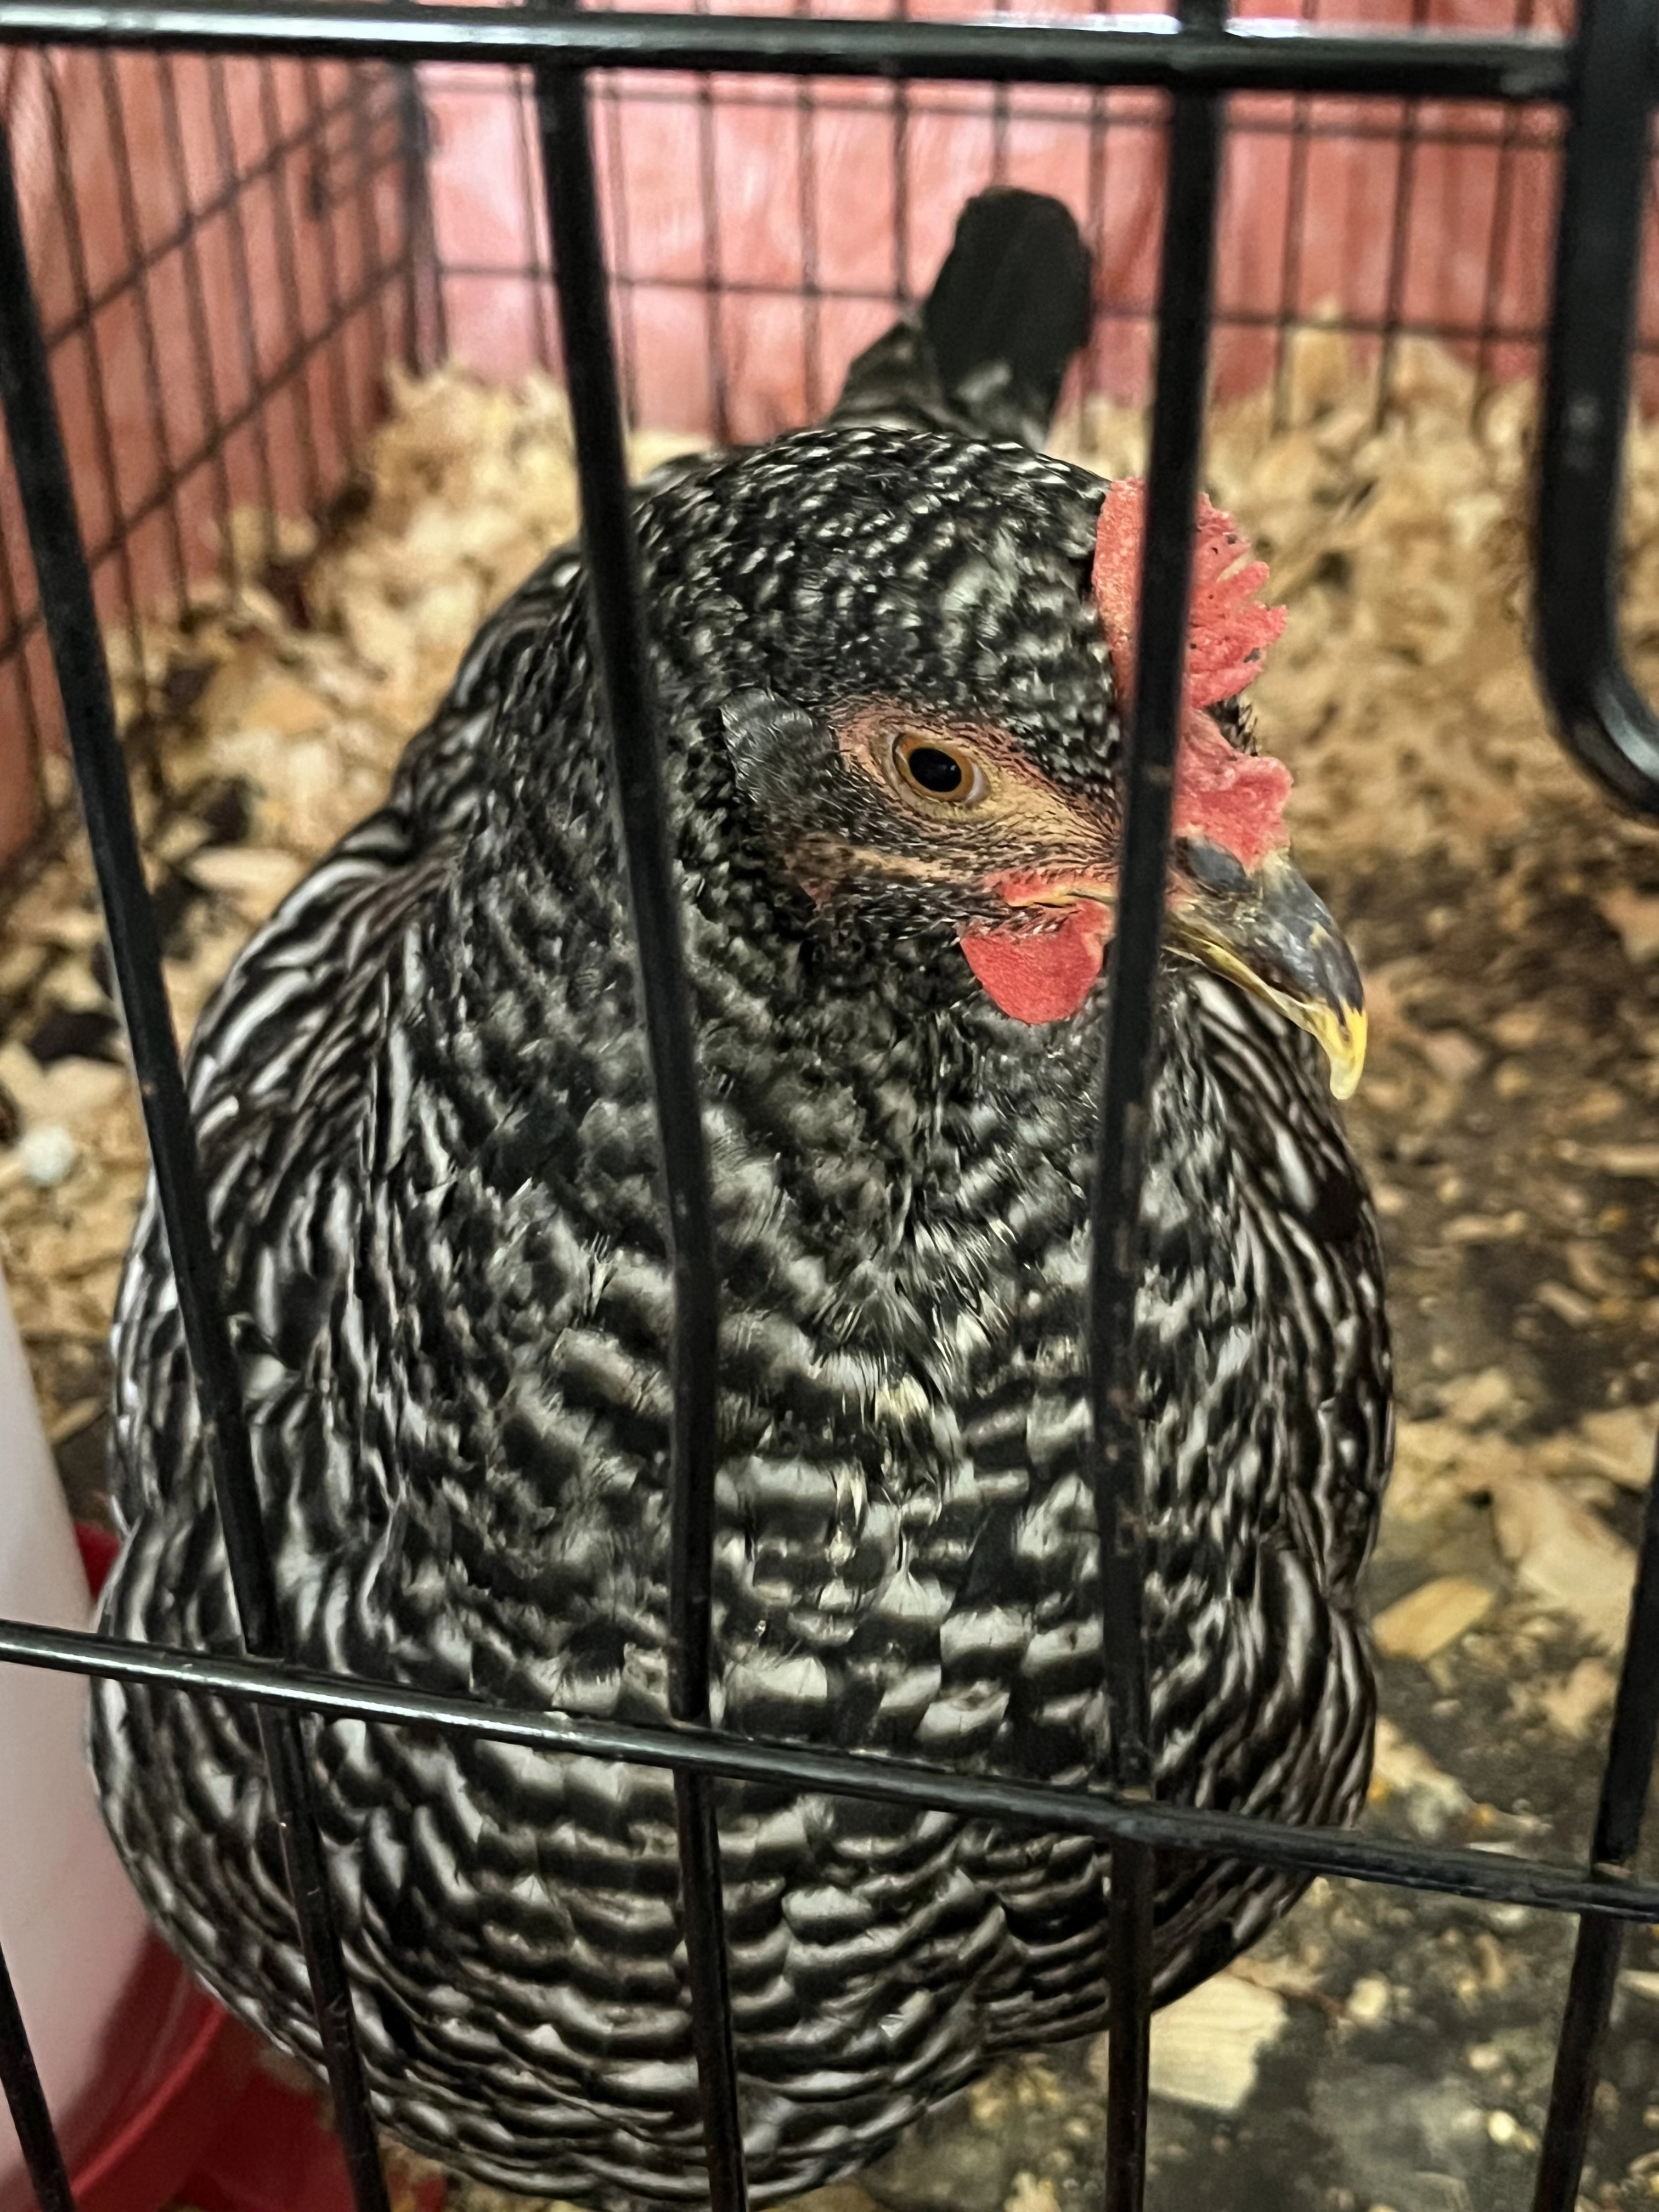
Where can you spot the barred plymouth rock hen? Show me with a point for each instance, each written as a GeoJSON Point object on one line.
{"type": "Point", "coordinates": [894, 661]}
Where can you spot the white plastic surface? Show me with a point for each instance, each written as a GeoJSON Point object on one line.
{"type": "Point", "coordinates": [69, 1921]}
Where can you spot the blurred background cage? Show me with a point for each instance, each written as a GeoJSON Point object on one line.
{"type": "Point", "coordinates": [230, 250]}
{"type": "Point", "coordinates": [233, 254]}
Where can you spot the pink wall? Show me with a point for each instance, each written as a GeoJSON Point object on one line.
{"type": "Point", "coordinates": [748, 188]}
{"type": "Point", "coordinates": [758, 183]}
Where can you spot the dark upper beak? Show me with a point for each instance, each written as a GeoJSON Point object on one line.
{"type": "Point", "coordinates": [1265, 930]}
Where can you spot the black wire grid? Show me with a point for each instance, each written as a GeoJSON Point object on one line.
{"type": "Point", "coordinates": [1602, 79]}
{"type": "Point", "coordinates": [267, 241]}
{"type": "Point", "coordinates": [312, 171]}
{"type": "Point", "coordinates": [1090, 147]}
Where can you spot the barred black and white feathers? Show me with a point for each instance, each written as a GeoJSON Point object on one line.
{"type": "Point", "coordinates": [426, 1121]}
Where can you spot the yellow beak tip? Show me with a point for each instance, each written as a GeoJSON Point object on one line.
{"type": "Point", "coordinates": [1344, 1041]}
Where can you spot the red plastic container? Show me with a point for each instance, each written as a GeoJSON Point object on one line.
{"type": "Point", "coordinates": [186, 2111]}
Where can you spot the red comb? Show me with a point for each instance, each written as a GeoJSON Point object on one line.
{"type": "Point", "coordinates": [1227, 629]}
{"type": "Point", "coordinates": [1234, 799]}
{"type": "Point", "coordinates": [1042, 969]}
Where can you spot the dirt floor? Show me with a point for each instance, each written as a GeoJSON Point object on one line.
{"type": "Point", "coordinates": [1378, 2050]}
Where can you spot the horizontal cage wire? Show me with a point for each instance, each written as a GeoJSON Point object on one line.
{"type": "Point", "coordinates": [339, 209]}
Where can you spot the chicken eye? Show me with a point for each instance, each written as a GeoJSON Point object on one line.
{"type": "Point", "coordinates": [949, 771]}
{"type": "Point", "coordinates": [1210, 865]}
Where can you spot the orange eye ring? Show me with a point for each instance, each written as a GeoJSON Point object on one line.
{"type": "Point", "coordinates": [942, 770]}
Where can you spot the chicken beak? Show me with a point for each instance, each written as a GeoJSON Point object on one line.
{"type": "Point", "coordinates": [1273, 936]}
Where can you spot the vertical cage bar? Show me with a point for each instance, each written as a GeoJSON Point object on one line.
{"type": "Point", "coordinates": [1405, 191]}
{"type": "Point", "coordinates": [623, 281]}
{"type": "Point", "coordinates": [138, 279]}
{"type": "Point", "coordinates": [92, 356]}
{"type": "Point", "coordinates": [1129, 2068]}
{"type": "Point", "coordinates": [1186, 282]}
{"type": "Point", "coordinates": [195, 310]}
{"type": "Point", "coordinates": [1000, 111]}
{"type": "Point", "coordinates": [1625, 1781]}
{"type": "Point", "coordinates": [20, 2077]}
{"type": "Point", "coordinates": [241, 278]}
{"type": "Point", "coordinates": [287, 256]}
{"type": "Point", "coordinates": [1584, 405]}
{"type": "Point", "coordinates": [1498, 237]}
{"type": "Point", "coordinates": [806, 172]}
{"type": "Point", "coordinates": [1288, 319]}
{"type": "Point", "coordinates": [904, 297]}
{"type": "Point", "coordinates": [17, 627]}
{"type": "Point", "coordinates": [41, 468]}
{"type": "Point", "coordinates": [322, 202]}
{"type": "Point", "coordinates": [617, 609]}
{"type": "Point", "coordinates": [713, 282]}
{"type": "Point", "coordinates": [426, 320]}
{"type": "Point", "coordinates": [539, 271]}
{"type": "Point", "coordinates": [1095, 231]}
{"type": "Point", "coordinates": [364, 121]}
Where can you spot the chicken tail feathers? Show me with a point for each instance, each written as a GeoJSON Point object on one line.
{"type": "Point", "coordinates": [1009, 309]}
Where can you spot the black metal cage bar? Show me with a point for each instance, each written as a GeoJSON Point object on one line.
{"type": "Point", "coordinates": [42, 468]}
{"type": "Point", "coordinates": [1185, 293]}
{"type": "Point", "coordinates": [1251, 56]}
{"type": "Point", "coordinates": [27, 2101]}
{"type": "Point", "coordinates": [1604, 78]}
{"type": "Point", "coordinates": [619, 621]}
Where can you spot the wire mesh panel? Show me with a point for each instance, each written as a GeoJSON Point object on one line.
{"type": "Point", "coordinates": [227, 254]}
{"type": "Point", "coordinates": [731, 298]}
{"type": "Point", "coordinates": [1605, 81]}
{"type": "Point", "coordinates": [267, 188]}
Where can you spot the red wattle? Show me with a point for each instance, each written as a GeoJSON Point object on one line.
{"type": "Point", "coordinates": [1043, 974]}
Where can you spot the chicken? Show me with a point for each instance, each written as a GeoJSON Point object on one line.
{"type": "Point", "coordinates": [893, 658]}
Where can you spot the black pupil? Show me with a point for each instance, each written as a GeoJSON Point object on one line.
{"type": "Point", "coordinates": [934, 771]}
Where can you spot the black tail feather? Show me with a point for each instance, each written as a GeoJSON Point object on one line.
{"type": "Point", "coordinates": [1010, 306]}
{"type": "Point", "coordinates": [1009, 309]}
